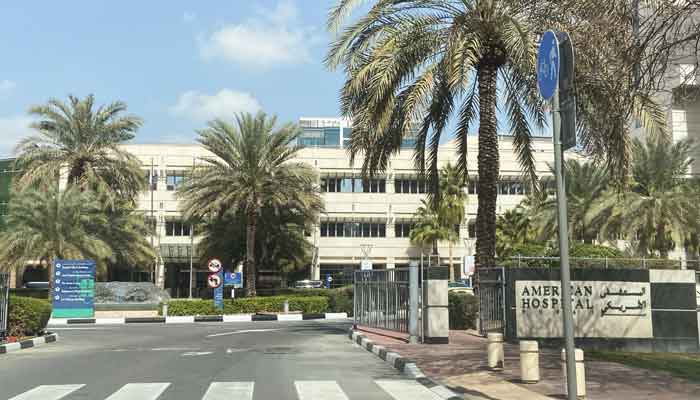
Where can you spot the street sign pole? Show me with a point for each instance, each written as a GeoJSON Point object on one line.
{"type": "Point", "coordinates": [564, 255]}
{"type": "Point", "coordinates": [549, 67]}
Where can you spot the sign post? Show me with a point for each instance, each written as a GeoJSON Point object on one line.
{"type": "Point", "coordinates": [216, 281]}
{"type": "Point", "coordinates": [549, 65]}
{"type": "Point", "coordinates": [73, 289]}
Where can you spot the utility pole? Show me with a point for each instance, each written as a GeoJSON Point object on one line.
{"type": "Point", "coordinates": [153, 220]}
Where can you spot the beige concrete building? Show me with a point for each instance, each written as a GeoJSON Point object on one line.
{"type": "Point", "coordinates": [368, 222]}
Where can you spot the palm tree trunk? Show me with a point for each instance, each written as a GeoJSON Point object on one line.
{"type": "Point", "coordinates": [251, 276]}
{"type": "Point", "coordinates": [661, 240]}
{"type": "Point", "coordinates": [488, 165]}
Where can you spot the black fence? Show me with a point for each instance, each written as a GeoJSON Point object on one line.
{"type": "Point", "coordinates": [4, 300]}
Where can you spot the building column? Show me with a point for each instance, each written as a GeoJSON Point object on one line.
{"type": "Point", "coordinates": [160, 273]}
{"type": "Point", "coordinates": [316, 271]}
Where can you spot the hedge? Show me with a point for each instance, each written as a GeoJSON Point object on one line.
{"type": "Point", "coordinates": [307, 305]}
{"type": "Point", "coordinates": [463, 309]}
{"type": "Point", "coordinates": [27, 316]}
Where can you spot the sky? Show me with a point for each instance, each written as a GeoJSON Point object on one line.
{"type": "Point", "coordinates": [176, 64]}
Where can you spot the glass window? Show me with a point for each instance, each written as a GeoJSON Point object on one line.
{"type": "Point", "coordinates": [346, 185]}
{"type": "Point", "coordinates": [185, 230]}
{"type": "Point", "coordinates": [324, 185]}
{"type": "Point", "coordinates": [332, 228]}
{"type": "Point", "coordinates": [382, 230]}
{"type": "Point", "coordinates": [374, 186]}
{"type": "Point", "coordinates": [397, 185]}
{"type": "Point", "coordinates": [331, 137]}
{"type": "Point", "coordinates": [324, 229]}
{"type": "Point", "coordinates": [174, 179]}
{"type": "Point", "coordinates": [472, 229]}
{"type": "Point", "coordinates": [414, 186]}
{"type": "Point", "coordinates": [406, 186]}
{"type": "Point", "coordinates": [366, 228]}
{"type": "Point", "coordinates": [382, 186]}
{"type": "Point", "coordinates": [347, 229]}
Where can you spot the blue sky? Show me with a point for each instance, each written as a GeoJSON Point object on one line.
{"type": "Point", "coordinates": [176, 63]}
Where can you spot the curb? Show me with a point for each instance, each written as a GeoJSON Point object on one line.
{"type": "Point", "coordinates": [29, 343]}
{"type": "Point", "coordinates": [189, 319]}
{"type": "Point", "coordinates": [403, 364]}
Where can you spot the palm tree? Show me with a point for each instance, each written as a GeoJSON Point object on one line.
{"type": "Point", "coordinates": [83, 140]}
{"type": "Point", "coordinates": [513, 227]}
{"type": "Point", "coordinates": [428, 229]}
{"type": "Point", "coordinates": [419, 63]}
{"type": "Point", "coordinates": [660, 208]}
{"type": "Point", "coordinates": [451, 208]}
{"type": "Point", "coordinates": [252, 170]}
{"type": "Point", "coordinates": [585, 184]}
{"type": "Point", "coordinates": [43, 222]}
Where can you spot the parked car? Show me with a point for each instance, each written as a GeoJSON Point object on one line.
{"type": "Point", "coordinates": [460, 287]}
{"type": "Point", "coordinates": [308, 284]}
{"type": "Point", "coordinates": [36, 285]}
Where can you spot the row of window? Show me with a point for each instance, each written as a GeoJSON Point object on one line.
{"type": "Point", "coordinates": [503, 188]}
{"type": "Point", "coordinates": [350, 185]}
{"type": "Point", "coordinates": [176, 228]}
{"type": "Point", "coordinates": [173, 179]}
{"type": "Point", "coordinates": [352, 229]}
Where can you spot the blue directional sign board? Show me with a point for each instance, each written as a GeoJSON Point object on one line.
{"type": "Point", "coordinates": [234, 279]}
{"type": "Point", "coordinates": [219, 294]}
{"type": "Point", "coordinates": [548, 65]}
{"type": "Point", "coordinates": [73, 289]}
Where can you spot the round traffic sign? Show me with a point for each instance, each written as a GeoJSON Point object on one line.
{"type": "Point", "coordinates": [548, 65]}
{"type": "Point", "coordinates": [214, 265]}
{"type": "Point", "coordinates": [214, 281]}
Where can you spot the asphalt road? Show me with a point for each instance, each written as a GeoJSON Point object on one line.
{"type": "Point", "coordinates": [302, 360]}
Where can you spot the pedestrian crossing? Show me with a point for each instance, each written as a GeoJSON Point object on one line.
{"type": "Point", "coordinates": [396, 389]}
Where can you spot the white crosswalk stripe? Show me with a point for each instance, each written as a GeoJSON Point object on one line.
{"type": "Point", "coordinates": [48, 392]}
{"type": "Point", "coordinates": [230, 391]}
{"type": "Point", "coordinates": [407, 390]}
{"type": "Point", "coordinates": [319, 390]}
{"type": "Point", "coordinates": [139, 391]}
{"type": "Point", "coordinates": [397, 389]}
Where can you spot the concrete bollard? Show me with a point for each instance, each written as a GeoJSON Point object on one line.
{"type": "Point", "coordinates": [580, 373]}
{"type": "Point", "coordinates": [165, 310]}
{"type": "Point", "coordinates": [286, 306]}
{"type": "Point", "coordinates": [529, 361]}
{"type": "Point", "coordinates": [495, 351]}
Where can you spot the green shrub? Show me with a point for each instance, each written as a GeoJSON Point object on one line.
{"type": "Point", "coordinates": [307, 305]}
{"type": "Point", "coordinates": [341, 300]}
{"type": "Point", "coordinates": [27, 316]}
{"type": "Point", "coordinates": [463, 308]}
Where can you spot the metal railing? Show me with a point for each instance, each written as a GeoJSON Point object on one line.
{"type": "Point", "coordinates": [602, 262]}
{"type": "Point", "coordinates": [4, 300]}
{"type": "Point", "coordinates": [492, 300]}
{"type": "Point", "coordinates": [381, 299]}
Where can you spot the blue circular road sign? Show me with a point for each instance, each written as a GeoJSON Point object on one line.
{"type": "Point", "coordinates": [548, 65]}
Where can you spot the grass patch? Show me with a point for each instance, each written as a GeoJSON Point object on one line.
{"type": "Point", "coordinates": [682, 365]}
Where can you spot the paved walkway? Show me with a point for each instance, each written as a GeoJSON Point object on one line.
{"type": "Point", "coordinates": [461, 365]}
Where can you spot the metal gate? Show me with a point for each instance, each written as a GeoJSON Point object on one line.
{"type": "Point", "coordinates": [381, 299]}
{"type": "Point", "coordinates": [492, 300]}
{"type": "Point", "coordinates": [4, 299]}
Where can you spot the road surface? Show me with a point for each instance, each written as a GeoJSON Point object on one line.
{"type": "Point", "coordinates": [305, 360]}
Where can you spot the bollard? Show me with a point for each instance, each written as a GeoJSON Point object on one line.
{"type": "Point", "coordinates": [495, 351]}
{"type": "Point", "coordinates": [165, 310]}
{"type": "Point", "coordinates": [529, 361]}
{"type": "Point", "coordinates": [580, 373]}
{"type": "Point", "coordinates": [286, 306]}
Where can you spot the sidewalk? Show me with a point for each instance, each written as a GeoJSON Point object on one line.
{"type": "Point", "coordinates": [461, 366]}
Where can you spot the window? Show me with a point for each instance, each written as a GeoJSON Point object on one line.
{"type": "Point", "coordinates": [350, 185]}
{"type": "Point", "coordinates": [174, 179]}
{"type": "Point", "coordinates": [353, 229]}
{"type": "Point", "coordinates": [410, 186]}
{"type": "Point", "coordinates": [176, 228]}
{"type": "Point", "coordinates": [403, 229]}
{"type": "Point", "coordinates": [472, 229]}
{"type": "Point", "coordinates": [473, 187]}
{"type": "Point", "coordinates": [152, 181]}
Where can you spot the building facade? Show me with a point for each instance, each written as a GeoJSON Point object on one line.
{"type": "Point", "coordinates": [364, 220]}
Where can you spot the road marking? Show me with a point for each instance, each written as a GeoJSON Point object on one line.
{"type": "Point", "coordinates": [245, 331]}
{"type": "Point", "coordinates": [196, 353]}
{"type": "Point", "coordinates": [139, 391]}
{"type": "Point", "coordinates": [317, 390]}
{"type": "Point", "coordinates": [229, 390]}
{"type": "Point", "coordinates": [175, 349]}
{"type": "Point", "coordinates": [48, 392]}
{"type": "Point", "coordinates": [80, 329]}
{"type": "Point", "coordinates": [407, 390]}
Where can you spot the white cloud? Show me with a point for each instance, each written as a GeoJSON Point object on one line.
{"type": "Point", "coordinates": [203, 107]}
{"type": "Point", "coordinates": [274, 37]}
{"type": "Point", "coordinates": [6, 86]}
{"type": "Point", "coordinates": [12, 130]}
{"type": "Point", "coordinates": [189, 16]}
